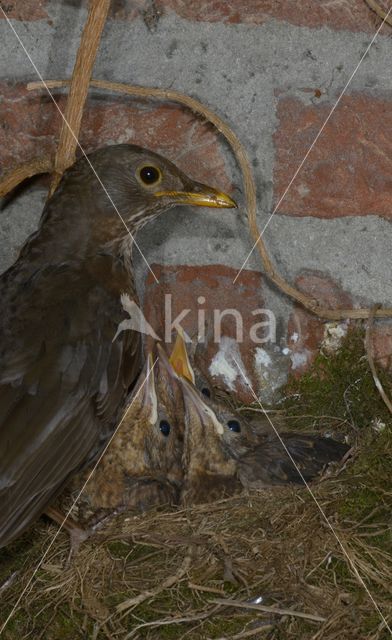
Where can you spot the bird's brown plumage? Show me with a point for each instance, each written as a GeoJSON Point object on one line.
{"type": "Point", "coordinates": [142, 466]}
{"type": "Point", "coordinates": [64, 376]}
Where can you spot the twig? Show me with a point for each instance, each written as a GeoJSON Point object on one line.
{"type": "Point", "coordinates": [249, 186]}
{"type": "Point", "coordinates": [200, 587]}
{"type": "Point", "coordinates": [264, 609]}
{"type": "Point", "coordinates": [169, 582]}
{"type": "Point", "coordinates": [369, 353]}
{"type": "Point", "coordinates": [167, 621]}
{"type": "Point", "coordinates": [23, 171]}
{"type": "Point", "coordinates": [379, 10]}
{"type": "Point", "coordinates": [81, 75]}
{"type": "Point", "coordinates": [249, 633]}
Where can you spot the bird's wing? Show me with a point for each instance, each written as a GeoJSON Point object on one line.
{"type": "Point", "coordinates": [268, 463]}
{"type": "Point", "coordinates": [62, 381]}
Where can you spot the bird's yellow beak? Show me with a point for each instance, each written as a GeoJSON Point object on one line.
{"type": "Point", "coordinates": [195, 405]}
{"type": "Point", "coordinates": [179, 359]}
{"type": "Point", "coordinates": [200, 196]}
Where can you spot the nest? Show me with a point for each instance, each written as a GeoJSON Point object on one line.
{"type": "Point", "coordinates": [260, 564]}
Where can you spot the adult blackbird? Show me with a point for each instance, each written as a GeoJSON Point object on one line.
{"type": "Point", "coordinates": [224, 451]}
{"type": "Point", "coordinates": [67, 358]}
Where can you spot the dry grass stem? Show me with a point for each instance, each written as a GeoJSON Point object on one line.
{"type": "Point", "coordinates": [23, 171]}
{"type": "Point", "coordinates": [79, 86]}
{"type": "Point", "coordinates": [379, 11]}
{"type": "Point", "coordinates": [369, 353]}
{"type": "Point", "coordinates": [273, 610]}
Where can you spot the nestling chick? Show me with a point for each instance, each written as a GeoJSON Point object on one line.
{"type": "Point", "coordinates": [224, 451]}
{"type": "Point", "coordinates": [142, 466]}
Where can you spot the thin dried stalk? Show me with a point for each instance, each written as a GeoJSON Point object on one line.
{"type": "Point", "coordinates": [369, 353]}
{"type": "Point", "coordinates": [249, 633]}
{"type": "Point", "coordinates": [273, 610]}
{"type": "Point", "coordinates": [379, 10]}
{"type": "Point", "coordinates": [169, 582]}
{"type": "Point", "coordinates": [81, 75]}
{"type": "Point", "coordinates": [249, 186]}
{"type": "Point", "coordinates": [173, 620]}
{"type": "Point", "coordinates": [23, 171]}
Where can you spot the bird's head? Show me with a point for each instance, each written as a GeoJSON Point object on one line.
{"type": "Point", "coordinates": [139, 183]}
{"type": "Point", "coordinates": [152, 434]}
{"type": "Point", "coordinates": [210, 471]}
{"type": "Point", "coordinates": [104, 198]}
{"type": "Point", "coordinates": [217, 438]}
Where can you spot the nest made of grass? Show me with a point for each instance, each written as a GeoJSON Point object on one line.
{"type": "Point", "coordinates": [164, 574]}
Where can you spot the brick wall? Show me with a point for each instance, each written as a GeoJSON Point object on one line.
{"type": "Point", "coordinates": [273, 70]}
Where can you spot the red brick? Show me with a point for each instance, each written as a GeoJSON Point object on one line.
{"type": "Point", "coordinates": [351, 15]}
{"type": "Point", "coordinates": [348, 172]}
{"type": "Point", "coordinates": [30, 127]}
{"type": "Point", "coordinates": [382, 346]}
{"type": "Point", "coordinates": [24, 9]}
{"type": "Point", "coordinates": [305, 330]}
{"type": "Point", "coordinates": [215, 283]}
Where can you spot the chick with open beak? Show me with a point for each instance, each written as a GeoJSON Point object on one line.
{"type": "Point", "coordinates": [210, 469]}
{"type": "Point", "coordinates": [224, 451]}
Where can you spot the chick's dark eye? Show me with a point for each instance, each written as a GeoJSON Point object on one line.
{"type": "Point", "coordinates": [234, 425]}
{"type": "Point", "coordinates": [149, 175]}
{"type": "Point", "coordinates": [164, 427]}
{"type": "Point", "coordinates": [206, 392]}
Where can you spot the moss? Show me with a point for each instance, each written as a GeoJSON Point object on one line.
{"type": "Point", "coordinates": [58, 625]}
{"type": "Point", "coordinates": [367, 478]}
{"type": "Point", "coordinates": [371, 624]}
{"type": "Point", "coordinates": [229, 625]}
{"type": "Point", "coordinates": [119, 548]}
{"type": "Point", "coordinates": [15, 555]}
{"type": "Point", "coordinates": [359, 503]}
{"type": "Point", "coordinates": [339, 385]}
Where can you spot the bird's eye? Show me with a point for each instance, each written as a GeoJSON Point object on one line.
{"type": "Point", "coordinates": [149, 175]}
{"type": "Point", "coordinates": [234, 425]}
{"type": "Point", "coordinates": [164, 427]}
{"type": "Point", "coordinates": [206, 392]}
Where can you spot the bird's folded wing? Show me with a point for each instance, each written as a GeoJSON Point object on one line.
{"type": "Point", "coordinates": [269, 463]}
{"type": "Point", "coordinates": [62, 382]}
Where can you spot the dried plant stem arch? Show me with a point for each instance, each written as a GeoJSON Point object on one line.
{"type": "Point", "coordinates": [379, 11]}
{"type": "Point", "coordinates": [249, 187]}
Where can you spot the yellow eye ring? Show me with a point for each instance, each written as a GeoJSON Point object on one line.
{"type": "Point", "coordinates": [149, 175]}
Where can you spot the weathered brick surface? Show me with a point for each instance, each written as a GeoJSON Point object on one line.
{"type": "Point", "coordinates": [306, 331]}
{"type": "Point", "coordinates": [24, 9]}
{"type": "Point", "coordinates": [352, 15]}
{"type": "Point", "coordinates": [382, 346]}
{"type": "Point", "coordinates": [30, 125]}
{"type": "Point", "coordinates": [208, 288]}
{"type": "Point", "coordinates": [348, 172]}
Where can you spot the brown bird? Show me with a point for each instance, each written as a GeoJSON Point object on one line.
{"type": "Point", "coordinates": [142, 466]}
{"type": "Point", "coordinates": [67, 358]}
{"type": "Point", "coordinates": [224, 451]}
